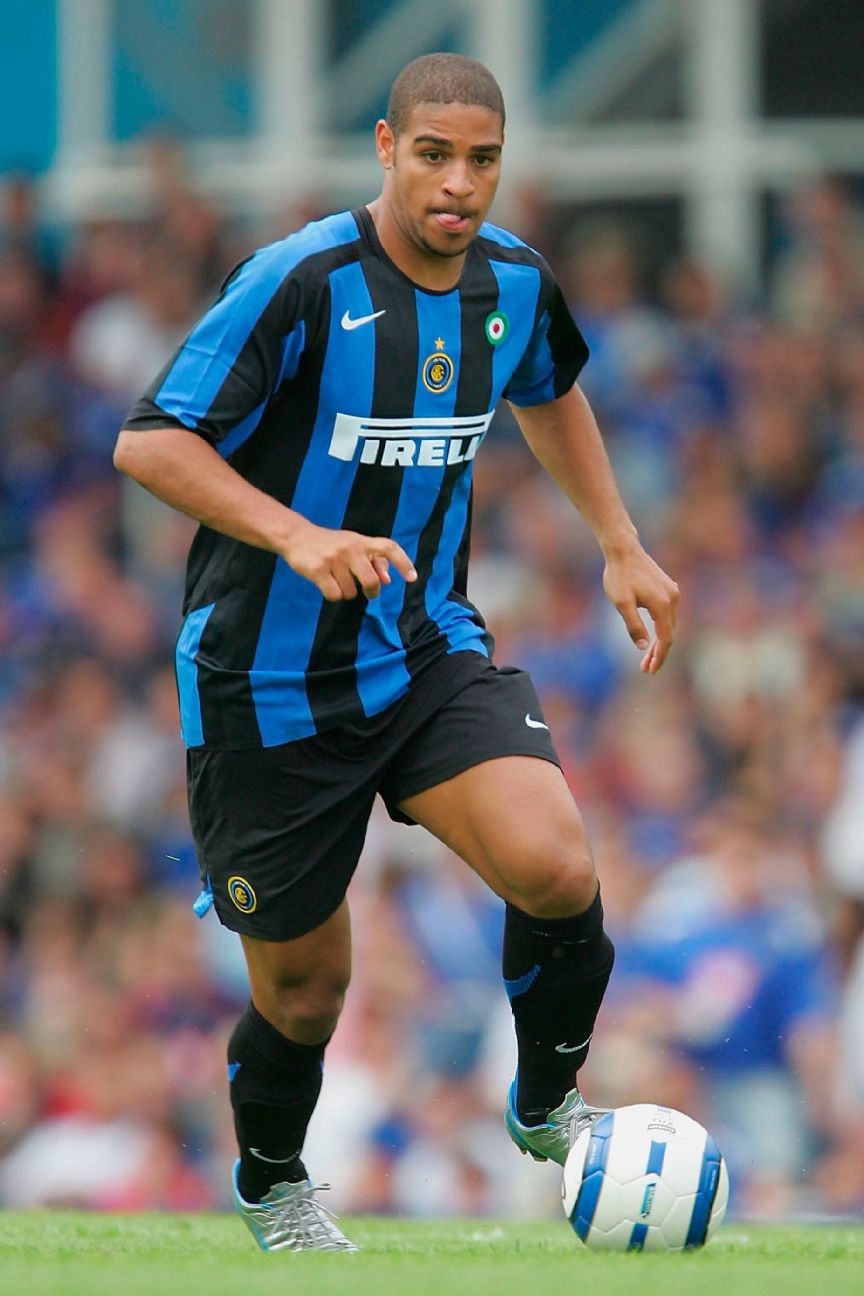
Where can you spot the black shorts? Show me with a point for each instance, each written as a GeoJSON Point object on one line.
{"type": "Point", "coordinates": [279, 830]}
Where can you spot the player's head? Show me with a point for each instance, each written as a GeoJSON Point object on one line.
{"type": "Point", "coordinates": [440, 147]}
{"type": "Point", "coordinates": [442, 79]}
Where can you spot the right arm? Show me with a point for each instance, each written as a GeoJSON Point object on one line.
{"type": "Point", "coordinates": [183, 470]}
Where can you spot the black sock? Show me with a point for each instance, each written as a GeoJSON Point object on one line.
{"type": "Point", "coordinates": [555, 971]}
{"type": "Point", "coordinates": [275, 1085]}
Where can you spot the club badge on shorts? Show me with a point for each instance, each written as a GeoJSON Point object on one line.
{"type": "Point", "coordinates": [497, 327]}
{"type": "Point", "coordinates": [438, 369]}
{"type": "Point", "coordinates": [242, 895]}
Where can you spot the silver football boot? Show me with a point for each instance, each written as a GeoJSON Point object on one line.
{"type": "Point", "coordinates": [290, 1218]}
{"type": "Point", "coordinates": [552, 1140]}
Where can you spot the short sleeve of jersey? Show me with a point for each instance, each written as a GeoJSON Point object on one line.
{"type": "Point", "coordinates": [556, 352]}
{"type": "Point", "coordinates": [241, 350]}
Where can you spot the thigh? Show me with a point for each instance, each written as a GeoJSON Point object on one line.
{"type": "Point", "coordinates": [484, 777]}
{"type": "Point", "coordinates": [278, 832]}
{"type": "Point", "coordinates": [514, 821]}
{"type": "Point", "coordinates": [496, 713]}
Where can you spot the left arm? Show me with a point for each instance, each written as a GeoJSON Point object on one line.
{"type": "Point", "coordinates": [564, 437]}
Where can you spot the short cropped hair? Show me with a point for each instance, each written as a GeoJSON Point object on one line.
{"type": "Point", "coordinates": [442, 78]}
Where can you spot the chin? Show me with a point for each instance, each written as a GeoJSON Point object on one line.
{"type": "Point", "coordinates": [449, 247]}
{"type": "Point", "coordinates": [454, 251]}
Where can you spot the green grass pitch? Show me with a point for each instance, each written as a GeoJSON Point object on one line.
{"type": "Point", "coordinates": [69, 1253]}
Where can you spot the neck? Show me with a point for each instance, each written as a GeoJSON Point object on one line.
{"type": "Point", "coordinates": [426, 269]}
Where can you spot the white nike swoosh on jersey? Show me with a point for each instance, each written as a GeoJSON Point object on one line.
{"type": "Point", "coordinates": [562, 1048]}
{"type": "Point", "coordinates": [534, 724]}
{"type": "Point", "coordinates": [274, 1160]}
{"type": "Point", "coordinates": [349, 323]}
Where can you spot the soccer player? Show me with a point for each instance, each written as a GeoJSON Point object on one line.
{"type": "Point", "coordinates": [321, 422]}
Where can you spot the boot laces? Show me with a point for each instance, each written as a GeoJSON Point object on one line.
{"type": "Point", "coordinates": [306, 1220]}
{"type": "Point", "coordinates": [581, 1118]}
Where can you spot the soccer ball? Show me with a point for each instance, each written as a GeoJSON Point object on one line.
{"type": "Point", "coordinates": [645, 1178]}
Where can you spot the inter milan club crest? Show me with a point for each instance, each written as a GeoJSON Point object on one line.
{"type": "Point", "coordinates": [242, 895]}
{"type": "Point", "coordinates": [497, 327]}
{"type": "Point", "coordinates": [438, 369]}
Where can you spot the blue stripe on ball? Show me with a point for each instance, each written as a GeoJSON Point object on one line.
{"type": "Point", "coordinates": [637, 1237]}
{"type": "Point", "coordinates": [593, 1174]}
{"type": "Point", "coordinates": [709, 1179]}
{"type": "Point", "coordinates": [656, 1156]}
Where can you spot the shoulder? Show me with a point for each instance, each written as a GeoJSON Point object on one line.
{"type": "Point", "coordinates": [335, 231]}
{"type": "Point", "coordinates": [524, 267]}
{"type": "Point", "coordinates": [310, 248]}
{"type": "Point", "coordinates": [500, 245]}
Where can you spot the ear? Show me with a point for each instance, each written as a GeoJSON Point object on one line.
{"type": "Point", "coordinates": [385, 144]}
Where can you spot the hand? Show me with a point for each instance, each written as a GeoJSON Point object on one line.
{"type": "Point", "coordinates": [340, 562]}
{"type": "Point", "coordinates": [632, 580]}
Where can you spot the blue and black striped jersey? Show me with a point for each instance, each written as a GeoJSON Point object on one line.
{"type": "Point", "coordinates": [331, 381]}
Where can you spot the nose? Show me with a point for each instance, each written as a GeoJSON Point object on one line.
{"type": "Point", "coordinates": [457, 180]}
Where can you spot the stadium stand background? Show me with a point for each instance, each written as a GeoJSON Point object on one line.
{"type": "Point", "coordinates": [693, 171]}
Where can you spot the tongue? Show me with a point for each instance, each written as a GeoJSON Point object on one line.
{"type": "Point", "coordinates": [449, 218]}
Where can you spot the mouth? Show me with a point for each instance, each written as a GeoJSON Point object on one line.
{"type": "Point", "coordinates": [453, 222]}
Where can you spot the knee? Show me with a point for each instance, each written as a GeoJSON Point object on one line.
{"type": "Point", "coordinates": [307, 1010]}
{"type": "Point", "coordinates": [558, 886]}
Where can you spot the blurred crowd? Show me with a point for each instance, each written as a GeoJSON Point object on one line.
{"type": "Point", "coordinates": [725, 798]}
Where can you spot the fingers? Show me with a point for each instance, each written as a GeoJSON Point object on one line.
{"type": "Point", "coordinates": [329, 587]}
{"type": "Point", "coordinates": [642, 584]}
{"type": "Point", "coordinates": [367, 576]}
{"type": "Point", "coordinates": [382, 569]}
{"type": "Point", "coordinates": [664, 626]}
{"type": "Point", "coordinates": [352, 563]}
{"type": "Point", "coordinates": [654, 658]}
{"type": "Point", "coordinates": [663, 611]}
{"type": "Point", "coordinates": [394, 553]}
{"type": "Point", "coordinates": [371, 569]}
{"type": "Point", "coordinates": [341, 573]}
{"type": "Point", "coordinates": [636, 627]}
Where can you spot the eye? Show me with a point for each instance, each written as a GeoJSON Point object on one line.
{"type": "Point", "coordinates": [433, 155]}
{"type": "Point", "coordinates": [483, 160]}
